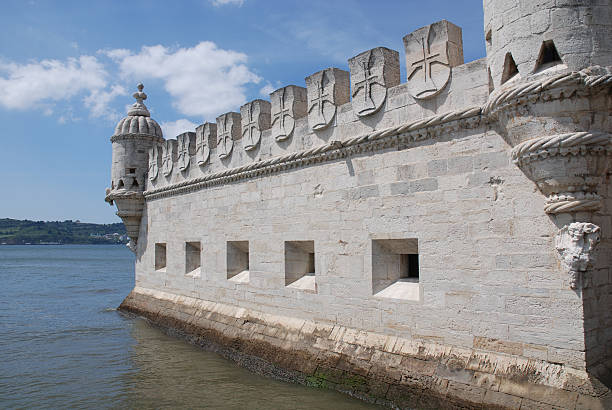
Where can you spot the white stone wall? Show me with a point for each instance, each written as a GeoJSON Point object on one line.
{"type": "Point", "coordinates": [488, 264]}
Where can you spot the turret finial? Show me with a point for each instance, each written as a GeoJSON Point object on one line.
{"type": "Point", "coordinates": [138, 108]}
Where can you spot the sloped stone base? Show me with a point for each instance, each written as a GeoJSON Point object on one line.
{"type": "Point", "coordinates": [382, 369]}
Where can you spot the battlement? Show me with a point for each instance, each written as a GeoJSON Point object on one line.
{"type": "Point", "coordinates": [335, 106]}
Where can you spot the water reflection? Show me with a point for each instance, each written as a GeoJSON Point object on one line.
{"type": "Point", "coordinates": [172, 373]}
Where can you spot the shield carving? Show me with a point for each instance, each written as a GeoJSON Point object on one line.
{"type": "Point", "coordinates": [185, 149]}
{"type": "Point", "coordinates": [228, 127]}
{"type": "Point", "coordinates": [206, 138]}
{"type": "Point", "coordinates": [431, 52]}
{"type": "Point", "coordinates": [372, 72]}
{"type": "Point", "coordinates": [255, 117]}
{"type": "Point", "coordinates": [168, 155]}
{"type": "Point", "coordinates": [153, 162]}
{"type": "Point", "coordinates": [288, 104]}
{"type": "Point", "coordinates": [327, 89]}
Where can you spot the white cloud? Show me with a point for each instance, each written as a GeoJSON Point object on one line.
{"type": "Point", "coordinates": [98, 102]}
{"type": "Point", "coordinates": [25, 86]}
{"type": "Point", "coordinates": [219, 3]}
{"type": "Point", "coordinates": [203, 80]}
{"type": "Point", "coordinates": [266, 90]}
{"type": "Point", "coordinates": [173, 128]}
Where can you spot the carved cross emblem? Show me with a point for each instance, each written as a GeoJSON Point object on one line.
{"type": "Point", "coordinates": [429, 60]}
{"type": "Point", "coordinates": [204, 133]}
{"type": "Point", "coordinates": [251, 132]}
{"type": "Point", "coordinates": [327, 90]}
{"type": "Point", "coordinates": [184, 147]}
{"type": "Point", "coordinates": [255, 117]}
{"type": "Point", "coordinates": [288, 104]}
{"type": "Point", "coordinates": [282, 118]}
{"type": "Point", "coordinates": [153, 164]}
{"type": "Point", "coordinates": [372, 72]}
{"type": "Point", "coordinates": [168, 157]}
{"type": "Point", "coordinates": [225, 140]}
{"type": "Point", "coordinates": [364, 87]}
{"type": "Point", "coordinates": [317, 112]}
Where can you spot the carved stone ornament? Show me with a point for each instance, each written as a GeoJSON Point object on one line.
{"type": "Point", "coordinates": [431, 52]}
{"type": "Point", "coordinates": [206, 139]}
{"type": "Point", "coordinates": [372, 72]}
{"type": "Point", "coordinates": [255, 117]}
{"type": "Point", "coordinates": [576, 243]}
{"type": "Point", "coordinates": [568, 168]}
{"type": "Point", "coordinates": [186, 148]}
{"type": "Point", "coordinates": [153, 162]}
{"type": "Point", "coordinates": [169, 154]}
{"type": "Point", "coordinates": [327, 90]}
{"type": "Point", "coordinates": [288, 104]}
{"type": "Point", "coordinates": [228, 130]}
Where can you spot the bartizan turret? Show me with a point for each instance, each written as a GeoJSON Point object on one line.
{"type": "Point", "coordinates": [550, 69]}
{"type": "Point", "coordinates": [134, 136]}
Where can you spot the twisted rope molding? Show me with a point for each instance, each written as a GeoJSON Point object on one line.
{"type": "Point", "coordinates": [363, 142]}
{"type": "Point", "coordinates": [566, 144]}
{"type": "Point", "coordinates": [148, 137]}
{"type": "Point", "coordinates": [537, 86]}
{"type": "Point", "coordinates": [563, 144]}
{"type": "Point", "coordinates": [329, 151]}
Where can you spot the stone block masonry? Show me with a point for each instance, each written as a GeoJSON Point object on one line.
{"type": "Point", "coordinates": [440, 243]}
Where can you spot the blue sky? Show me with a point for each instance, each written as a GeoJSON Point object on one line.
{"type": "Point", "coordinates": [68, 69]}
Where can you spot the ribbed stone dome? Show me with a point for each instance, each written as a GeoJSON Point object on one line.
{"type": "Point", "coordinates": [138, 120]}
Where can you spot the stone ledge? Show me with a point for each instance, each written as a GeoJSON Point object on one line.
{"type": "Point", "coordinates": [378, 368]}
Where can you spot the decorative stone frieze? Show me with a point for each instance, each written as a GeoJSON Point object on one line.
{"type": "Point", "coordinates": [327, 90]}
{"type": "Point", "coordinates": [372, 72]}
{"type": "Point", "coordinates": [169, 156]}
{"type": "Point", "coordinates": [576, 244]}
{"type": "Point", "coordinates": [255, 118]}
{"type": "Point", "coordinates": [206, 139]}
{"type": "Point", "coordinates": [431, 53]}
{"type": "Point", "coordinates": [154, 162]}
{"type": "Point", "coordinates": [186, 148]}
{"type": "Point", "coordinates": [228, 130]}
{"type": "Point", "coordinates": [288, 104]}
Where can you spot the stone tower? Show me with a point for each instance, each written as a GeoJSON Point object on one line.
{"type": "Point", "coordinates": [528, 37]}
{"type": "Point", "coordinates": [134, 136]}
{"type": "Point", "coordinates": [547, 65]}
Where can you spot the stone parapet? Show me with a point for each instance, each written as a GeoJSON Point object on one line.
{"type": "Point", "coordinates": [382, 369]}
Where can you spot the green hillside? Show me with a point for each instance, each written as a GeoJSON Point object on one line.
{"type": "Point", "coordinates": [16, 232]}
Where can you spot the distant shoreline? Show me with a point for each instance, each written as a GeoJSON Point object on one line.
{"type": "Point", "coordinates": [26, 232]}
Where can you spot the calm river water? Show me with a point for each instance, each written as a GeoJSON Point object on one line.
{"type": "Point", "coordinates": [63, 344]}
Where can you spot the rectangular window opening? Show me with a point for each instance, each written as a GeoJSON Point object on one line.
{"type": "Point", "coordinates": [160, 256]}
{"type": "Point", "coordinates": [300, 266]}
{"type": "Point", "coordinates": [238, 265]}
{"type": "Point", "coordinates": [395, 268]}
{"type": "Point", "coordinates": [193, 258]}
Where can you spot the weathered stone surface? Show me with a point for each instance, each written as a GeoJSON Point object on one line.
{"type": "Point", "coordinates": [327, 90]}
{"type": "Point", "coordinates": [431, 53]}
{"type": "Point", "coordinates": [206, 139]}
{"type": "Point", "coordinates": [186, 148]}
{"type": "Point", "coordinates": [228, 130]}
{"type": "Point", "coordinates": [372, 73]}
{"type": "Point", "coordinates": [255, 117]}
{"type": "Point", "coordinates": [288, 105]}
{"type": "Point", "coordinates": [169, 156]}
